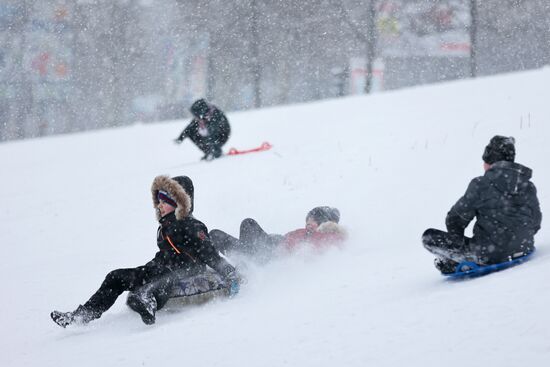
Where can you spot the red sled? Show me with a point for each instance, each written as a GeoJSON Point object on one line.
{"type": "Point", "coordinates": [265, 146]}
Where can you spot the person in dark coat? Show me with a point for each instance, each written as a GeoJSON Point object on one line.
{"type": "Point", "coordinates": [505, 204]}
{"type": "Point", "coordinates": [322, 229]}
{"type": "Point", "coordinates": [209, 129]}
{"type": "Point", "coordinates": [184, 247]}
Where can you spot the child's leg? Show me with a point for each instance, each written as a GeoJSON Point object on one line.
{"type": "Point", "coordinates": [116, 282]}
{"type": "Point", "coordinates": [223, 242]}
{"type": "Point", "coordinates": [256, 240]}
{"type": "Point", "coordinates": [204, 143]}
{"type": "Point", "coordinates": [447, 246]}
{"type": "Point", "coordinates": [251, 233]}
{"type": "Point", "coordinates": [218, 142]}
{"type": "Point", "coordinates": [149, 298]}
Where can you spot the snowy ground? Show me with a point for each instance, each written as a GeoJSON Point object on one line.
{"type": "Point", "coordinates": [75, 207]}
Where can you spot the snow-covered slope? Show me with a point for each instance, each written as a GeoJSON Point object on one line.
{"type": "Point", "coordinates": [75, 207]}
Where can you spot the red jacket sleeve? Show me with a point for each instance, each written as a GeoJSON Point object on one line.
{"type": "Point", "coordinates": [292, 239]}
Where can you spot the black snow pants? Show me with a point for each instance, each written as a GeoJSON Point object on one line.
{"type": "Point", "coordinates": [448, 246]}
{"type": "Point", "coordinates": [252, 239]}
{"type": "Point", "coordinates": [210, 145]}
{"type": "Point", "coordinates": [118, 281]}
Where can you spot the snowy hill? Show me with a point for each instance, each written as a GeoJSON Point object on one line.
{"type": "Point", "coordinates": [77, 206]}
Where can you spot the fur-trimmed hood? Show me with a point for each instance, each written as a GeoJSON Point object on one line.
{"type": "Point", "coordinates": [332, 227]}
{"type": "Point", "coordinates": [180, 189]}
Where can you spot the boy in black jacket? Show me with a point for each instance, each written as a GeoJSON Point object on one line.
{"type": "Point", "coordinates": [184, 247]}
{"type": "Point", "coordinates": [504, 202]}
{"type": "Point", "coordinates": [209, 129]}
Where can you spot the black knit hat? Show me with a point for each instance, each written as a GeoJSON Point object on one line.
{"type": "Point", "coordinates": [165, 196]}
{"type": "Point", "coordinates": [199, 108]}
{"type": "Point", "coordinates": [500, 148]}
{"type": "Point", "coordinates": [322, 214]}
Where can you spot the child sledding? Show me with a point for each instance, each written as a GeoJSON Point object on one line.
{"type": "Point", "coordinates": [185, 264]}
{"type": "Point", "coordinates": [505, 204]}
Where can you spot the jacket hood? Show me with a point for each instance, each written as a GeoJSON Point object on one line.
{"type": "Point", "coordinates": [180, 189]}
{"type": "Point", "coordinates": [509, 177]}
{"type": "Point", "coordinates": [199, 108]}
{"type": "Point", "coordinates": [332, 227]}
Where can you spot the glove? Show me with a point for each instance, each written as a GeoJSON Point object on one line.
{"type": "Point", "coordinates": [178, 140]}
{"type": "Point", "coordinates": [234, 289]}
{"type": "Point", "coordinates": [233, 283]}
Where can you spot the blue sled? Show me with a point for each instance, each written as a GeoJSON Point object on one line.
{"type": "Point", "coordinates": [469, 269]}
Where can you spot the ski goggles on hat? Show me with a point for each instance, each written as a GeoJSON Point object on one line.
{"type": "Point", "coordinates": [164, 196]}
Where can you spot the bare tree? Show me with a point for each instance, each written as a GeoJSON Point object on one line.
{"type": "Point", "coordinates": [369, 38]}
{"type": "Point", "coordinates": [473, 38]}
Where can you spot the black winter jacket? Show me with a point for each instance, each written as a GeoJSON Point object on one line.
{"type": "Point", "coordinates": [185, 245]}
{"type": "Point", "coordinates": [215, 121]}
{"type": "Point", "coordinates": [504, 202]}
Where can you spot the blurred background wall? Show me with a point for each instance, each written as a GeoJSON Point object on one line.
{"type": "Point", "coordinates": [85, 64]}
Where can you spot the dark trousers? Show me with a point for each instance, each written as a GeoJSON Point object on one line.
{"type": "Point", "coordinates": [156, 292]}
{"type": "Point", "coordinates": [252, 239]}
{"type": "Point", "coordinates": [118, 281]}
{"type": "Point", "coordinates": [209, 144]}
{"type": "Point", "coordinates": [448, 246]}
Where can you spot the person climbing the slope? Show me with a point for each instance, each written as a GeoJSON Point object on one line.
{"type": "Point", "coordinates": [209, 129]}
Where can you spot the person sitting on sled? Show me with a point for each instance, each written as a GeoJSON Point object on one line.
{"type": "Point", "coordinates": [209, 129]}
{"type": "Point", "coordinates": [322, 230]}
{"type": "Point", "coordinates": [184, 247]}
{"type": "Point", "coordinates": [505, 205]}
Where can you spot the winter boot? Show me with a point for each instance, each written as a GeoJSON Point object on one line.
{"type": "Point", "coordinates": [212, 154]}
{"type": "Point", "coordinates": [79, 316]}
{"type": "Point", "coordinates": [146, 308]}
{"type": "Point", "coordinates": [445, 266]}
{"type": "Point", "coordinates": [216, 152]}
